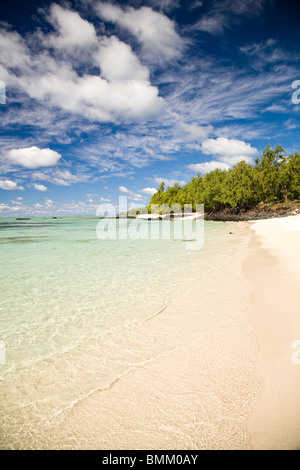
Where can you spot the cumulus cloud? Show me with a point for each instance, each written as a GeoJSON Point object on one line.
{"type": "Point", "coordinates": [155, 31]}
{"type": "Point", "coordinates": [118, 62]}
{"type": "Point", "coordinates": [94, 97]}
{"type": "Point", "coordinates": [9, 185]}
{"type": "Point", "coordinates": [40, 187]}
{"type": "Point", "coordinates": [121, 90]}
{"type": "Point", "coordinates": [73, 31]}
{"type": "Point", "coordinates": [229, 151]}
{"type": "Point", "coordinates": [207, 167]}
{"type": "Point", "coordinates": [14, 51]}
{"type": "Point", "coordinates": [33, 157]}
{"type": "Point", "coordinates": [149, 191]}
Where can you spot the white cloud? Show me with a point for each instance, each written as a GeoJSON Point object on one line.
{"type": "Point", "coordinates": [73, 31]}
{"type": "Point", "coordinates": [196, 4]}
{"type": "Point", "coordinates": [123, 189]}
{"type": "Point", "coordinates": [164, 5]}
{"type": "Point", "coordinates": [16, 203]}
{"type": "Point", "coordinates": [197, 133]}
{"type": "Point", "coordinates": [59, 177]}
{"type": "Point", "coordinates": [208, 166]}
{"type": "Point", "coordinates": [33, 157]}
{"type": "Point", "coordinates": [149, 191]}
{"type": "Point", "coordinates": [230, 151]}
{"type": "Point", "coordinates": [212, 24]}
{"type": "Point", "coordinates": [66, 175]}
{"type": "Point", "coordinates": [155, 31]}
{"type": "Point", "coordinates": [40, 187]}
{"type": "Point", "coordinates": [9, 185]}
{"type": "Point", "coordinates": [4, 207]}
{"type": "Point", "coordinates": [266, 53]}
{"type": "Point", "coordinates": [48, 207]}
{"type": "Point", "coordinates": [103, 199]}
{"type": "Point", "coordinates": [236, 7]}
{"type": "Point", "coordinates": [131, 194]}
{"type": "Point", "coordinates": [121, 90]}
{"type": "Point", "coordinates": [13, 50]}
{"type": "Point", "coordinates": [39, 176]}
{"type": "Point", "coordinates": [118, 62]}
{"type": "Point", "coordinates": [193, 146]}
{"type": "Point", "coordinates": [94, 97]}
{"type": "Point", "coordinates": [224, 13]}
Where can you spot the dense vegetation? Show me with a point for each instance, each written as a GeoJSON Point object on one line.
{"type": "Point", "coordinates": [273, 177]}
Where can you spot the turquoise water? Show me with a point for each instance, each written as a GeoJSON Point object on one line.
{"type": "Point", "coordinates": [66, 297]}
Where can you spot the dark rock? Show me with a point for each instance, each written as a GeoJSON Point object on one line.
{"type": "Point", "coordinates": [244, 215]}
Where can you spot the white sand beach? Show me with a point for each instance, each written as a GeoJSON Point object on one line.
{"type": "Point", "coordinates": [273, 267]}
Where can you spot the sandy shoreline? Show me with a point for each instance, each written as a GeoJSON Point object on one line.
{"type": "Point", "coordinates": [273, 267]}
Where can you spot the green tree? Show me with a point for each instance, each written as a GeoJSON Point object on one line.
{"type": "Point", "coordinates": [273, 177]}
{"type": "Point", "coordinates": [213, 188]}
{"type": "Point", "coordinates": [239, 188]}
{"type": "Point", "coordinates": [293, 172]}
{"type": "Point", "coordinates": [268, 172]}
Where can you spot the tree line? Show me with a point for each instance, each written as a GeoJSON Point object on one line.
{"type": "Point", "coordinates": [273, 177]}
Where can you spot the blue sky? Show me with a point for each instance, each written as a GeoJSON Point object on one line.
{"type": "Point", "coordinates": [106, 99]}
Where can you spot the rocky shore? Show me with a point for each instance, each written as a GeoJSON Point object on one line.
{"type": "Point", "coordinates": [262, 211]}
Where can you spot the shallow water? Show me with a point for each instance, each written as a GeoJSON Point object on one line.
{"type": "Point", "coordinates": [67, 303]}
